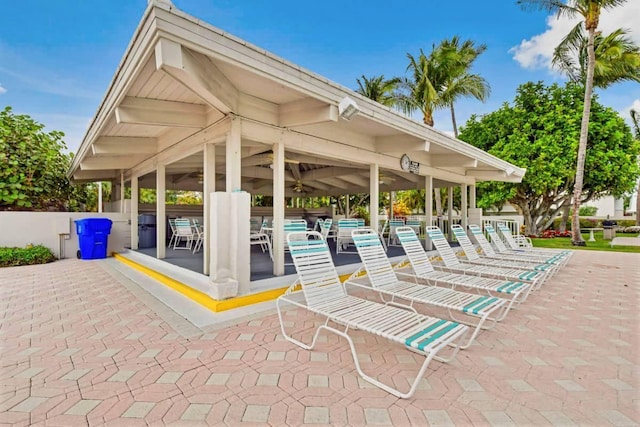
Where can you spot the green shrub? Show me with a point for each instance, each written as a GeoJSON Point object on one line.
{"type": "Point", "coordinates": [11, 257]}
{"type": "Point", "coordinates": [361, 212]}
{"type": "Point", "coordinates": [588, 210]}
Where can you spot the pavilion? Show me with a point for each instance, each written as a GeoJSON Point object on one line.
{"type": "Point", "coordinates": [192, 107]}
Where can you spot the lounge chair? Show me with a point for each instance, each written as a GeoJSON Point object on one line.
{"type": "Point", "coordinates": [343, 237]}
{"type": "Point", "coordinates": [381, 278]}
{"type": "Point", "coordinates": [511, 244]}
{"type": "Point", "coordinates": [482, 267]}
{"type": "Point", "coordinates": [490, 257]}
{"type": "Point", "coordinates": [489, 280]}
{"type": "Point", "coordinates": [319, 290]}
{"type": "Point", "coordinates": [517, 255]}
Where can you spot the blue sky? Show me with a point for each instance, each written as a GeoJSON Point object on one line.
{"type": "Point", "coordinates": [58, 57]}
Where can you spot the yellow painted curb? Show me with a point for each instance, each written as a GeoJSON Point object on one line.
{"type": "Point", "coordinates": [202, 298]}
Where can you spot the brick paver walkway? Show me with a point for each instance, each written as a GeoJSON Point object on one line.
{"type": "Point", "coordinates": [81, 347]}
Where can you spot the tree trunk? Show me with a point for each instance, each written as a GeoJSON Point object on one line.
{"type": "Point", "coordinates": [428, 118]}
{"type": "Point", "coordinates": [453, 121]}
{"type": "Point", "coordinates": [576, 236]}
{"type": "Point", "coordinates": [565, 217]}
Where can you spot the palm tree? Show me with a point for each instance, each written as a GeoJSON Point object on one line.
{"type": "Point", "coordinates": [379, 89]}
{"type": "Point", "coordinates": [590, 11]}
{"type": "Point", "coordinates": [422, 91]}
{"type": "Point", "coordinates": [617, 57]}
{"type": "Point", "coordinates": [459, 57]}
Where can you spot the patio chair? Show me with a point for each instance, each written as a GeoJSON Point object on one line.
{"type": "Point", "coordinates": [262, 238]}
{"type": "Point", "coordinates": [172, 228]}
{"type": "Point", "coordinates": [498, 269]}
{"type": "Point", "coordinates": [293, 226]}
{"type": "Point", "coordinates": [392, 239]}
{"type": "Point", "coordinates": [506, 286]}
{"type": "Point", "coordinates": [515, 247]}
{"type": "Point", "coordinates": [326, 229]}
{"type": "Point", "coordinates": [381, 278]}
{"type": "Point", "coordinates": [343, 236]}
{"type": "Point", "coordinates": [198, 235]}
{"type": "Point", "coordinates": [501, 249]}
{"type": "Point", "coordinates": [184, 231]}
{"type": "Point", "coordinates": [319, 290]}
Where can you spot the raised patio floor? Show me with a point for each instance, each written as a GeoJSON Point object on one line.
{"type": "Point", "coordinates": [82, 344]}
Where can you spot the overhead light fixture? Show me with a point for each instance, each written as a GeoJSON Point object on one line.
{"type": "Point", "coordinates": [347, 108]}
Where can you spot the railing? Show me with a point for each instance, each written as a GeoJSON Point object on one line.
{"type": "Point", "coordinates": [512, 224]}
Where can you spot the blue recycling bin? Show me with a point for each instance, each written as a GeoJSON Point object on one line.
{"type": "Point", "coordinates": [93, 234]}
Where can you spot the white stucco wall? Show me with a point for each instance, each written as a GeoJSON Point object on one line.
{"type": "Point", "coordinates": [57, 231]}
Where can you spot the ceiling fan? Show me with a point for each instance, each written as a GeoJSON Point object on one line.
{"type": "Point", "coordinates": [385, 179]}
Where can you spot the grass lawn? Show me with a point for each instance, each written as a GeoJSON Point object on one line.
{"type": "Point", "coordinates": [599, 245]}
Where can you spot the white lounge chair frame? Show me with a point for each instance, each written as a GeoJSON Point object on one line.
{"type": "Point", "coordinates": [502, 250]}
{"type": "Point", "coordinates": [536, 272]}
{"type": "Point", "coordinates": [381, 278]}
{"type": "Point", "coordinates": [479, 278]}
{"type": "Point", "coordinates": [319, 290]}
{"type": "Point", "coordinates": [515, 247]}
{"type": "Point", "coordinates": [183, 232]}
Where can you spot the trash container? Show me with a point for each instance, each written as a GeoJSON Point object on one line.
{"type": "Point", "coordinates": [92, 237]}
{"type": "Point", "coordinates": [146, 231]}
{"type": "Point", "coordinates": [609, 227]}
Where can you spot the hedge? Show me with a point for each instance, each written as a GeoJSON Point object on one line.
{"type": "Point", "coordinates": [11, 257]}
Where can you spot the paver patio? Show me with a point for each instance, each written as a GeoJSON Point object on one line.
{"type": "Point", "coordinates": [82, 345]}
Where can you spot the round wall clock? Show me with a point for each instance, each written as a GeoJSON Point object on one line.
{"type": "Point", "coordinates": [405, 162]}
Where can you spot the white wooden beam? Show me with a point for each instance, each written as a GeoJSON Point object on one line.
{"type": "Point", "coordinates": [400, 144]}
{"type": "Point", "coordinates": [94, 175]}
{"type": "Point", "coordinates": [260, 159]}
{"type": "Point", "coordinates": [124, 145]}
{"type": "Point", "coordinates": [156, 112]}
{"type": "Point", "coordinates": [428, 207]}
{"type": "Point", "coordinates": [452, 160]}
{"type": "Point", "coordinates": [306, 112]}
{"type": "Point", "coordinates": [335, 182]}
{"type": "Point", "coordinates": [134, 212]}
{"type": "Point", "coordinates": [374, 194]}
{"type": "Point", "coordinates": [198, 74]}
{"type": "Point", "coordinates": [110, 162]}
{"type": "Point", "coordinates": [328, 172]}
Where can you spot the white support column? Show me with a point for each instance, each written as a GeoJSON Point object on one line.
{"type": "Point", "coordinates": [450, 211]}
{"type": "Point", "coordinates": [472, 196]}
{"type": "Point", "coordinates": [428, 208]}
{"type": "Point", "coordinates": [474, 215]}
{"type": "Point", "coordinates": [374, 194]}
{"type": "Point", "coordinates": [234, 156]}
{"type": "Point", "coordinates": [134, 212]}
{"type": "Point", "coordinates": [161, 206]}
{"type": "Point", "coordinates": [463, 205]}
{"type": "Point", "coordinates": [392, 195]}
{"type": "Point", "coordinates": [209, 186]}
{"type": "Point", "coordinates": [122, 204]}
{"type": "Point", "coordinates": [278, 209]}
{"type": "Point", "coordinates": [100, 196]}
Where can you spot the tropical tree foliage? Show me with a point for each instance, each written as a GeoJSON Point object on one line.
{"type": "Point", "coordinates": [540, 131]}
{"type": "Point", "coordinates": [379, 89]}
{"type": "Point", "coordinates": [589, 11]}
{"type": "Point", "coordinates": [438, 80]}
{"type": "Point", "coordinates": [617, 58]}
{"type": "Point", "coordinates": [33, 165]}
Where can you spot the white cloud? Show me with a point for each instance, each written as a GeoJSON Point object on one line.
{"type": "Point", "coordinates": [537, 51]}
{"type": "Point", "coordinates": [626, 113]}
{"type": "Point", "coordinates": [2, 89]}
